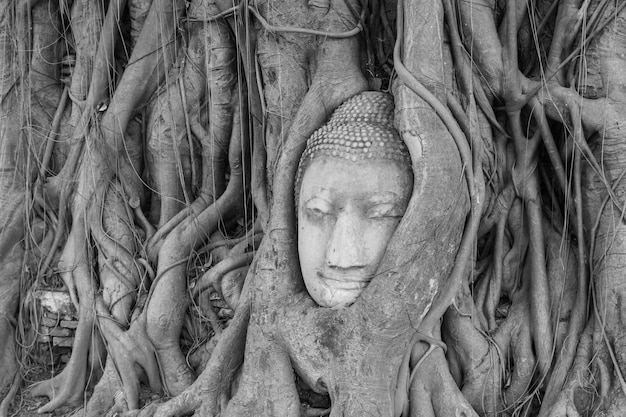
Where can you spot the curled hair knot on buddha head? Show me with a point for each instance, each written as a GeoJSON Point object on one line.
{"type": "Point", "coordinates": [360, 129]}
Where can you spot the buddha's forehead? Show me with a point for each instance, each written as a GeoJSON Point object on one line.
{"type": "Point", "coordinates": [333, 178]}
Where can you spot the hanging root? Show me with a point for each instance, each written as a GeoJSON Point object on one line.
{"type": "Point", "coordinates": [438, 394]}
{"type": "Point", "coordinates": [67, 388]}
{"type": "Point", "coordinates": [127, 349]}
{"type": "Point", "coordinates": [210, 72]}
{"type": "Point", "coordinates": [211, 390]}
{"type": "Point", "coordinates": [8, 398]}
{"type": "Point", "coordinates": [576, 390]}
{"type": "Point", "coordinates": [167, 306]}
{"type": "Point", "coordinates": [217, 274]}
{"type": "Point", "coordinates": [9, 298]}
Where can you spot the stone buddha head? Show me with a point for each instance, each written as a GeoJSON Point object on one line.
{"type": "Point", "coordinates": [353, 186]}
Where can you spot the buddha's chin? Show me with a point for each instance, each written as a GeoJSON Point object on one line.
{"type": "Point", "coordinates": [333, 294]}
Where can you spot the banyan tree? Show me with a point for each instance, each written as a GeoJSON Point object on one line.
{"type": "Point", "coordinates": [316, 207]}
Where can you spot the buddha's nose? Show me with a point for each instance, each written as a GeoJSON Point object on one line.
{"type": "Point", "coordinates": [345, 247]}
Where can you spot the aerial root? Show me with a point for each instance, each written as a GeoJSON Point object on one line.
{"type": "Point", "coordinates": [181, 405]}
{"type": "Point", "coordinates": [230, 286]}
{"type": "Point", "coordinates": [8, 399]}
{"type": "Point", "coordinates": [215, 276]}
{"type": "Point", "coordinates": [127, 349]}
{"type": "Point", "coordinates": [436, 393]}
{"type": "Point", "coordinates": [578, 378]}
{"type": "Point", "coordinates": [564, 408]}
{"type": "Point", "coordinates": [210, 392]}
{"type": "Point", "coordinates": [104, 394]}
{"type": "Point", "coordinates": [67, 387]}
{"type": "Point", "coordinates": [314, 412]}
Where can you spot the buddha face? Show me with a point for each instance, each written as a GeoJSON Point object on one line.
{"type": "Point", "coordinates": [347, 212]}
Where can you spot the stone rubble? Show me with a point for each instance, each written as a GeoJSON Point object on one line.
{"type": "Point", "coordinates": [58, 321]}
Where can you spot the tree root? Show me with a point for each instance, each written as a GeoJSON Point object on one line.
{"type": "Point", "coordinates": [112, 230]}
{"type": "Point", "coordinates": [231, 285]}
{"type": "Point", "coordinates": [434, 392]}
{"type": "Point", "coordinates": [166, 308]}
{"type": "Point", "coordinates": [209, 66]}
{"type": "Point", "coordinates": [8, 399]}
{"type": "Point", "coordinates": [577, 380]}
{"type": "Point", "coordinates": [68, 387]}
{"type": "Point", "coordinates": [477, 361]}
{"type": "Point", "coordinates": [131, 356]}
{"type": "Point", "coordinates": [211, 391]}
{"type": "Point", "coordinates": [276, 396]}
{"type": "Point", "coordinates": [9, 296]}
{"type": "Point", "coordinates": [11, 229]}
{"type": "Point", "coordinates": [127, 349]}
{"type": "Point", "coordinates": [215, 276]}
{"type": "Point", "coordinates": [253, 237]}
{"type": "Point", "coordinates": [104, 394]}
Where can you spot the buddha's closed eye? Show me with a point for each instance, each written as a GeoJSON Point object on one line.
{"type": "Point", "coordinates": [317, 209]}
{"type": "Point", "coordinates": [385, 211]}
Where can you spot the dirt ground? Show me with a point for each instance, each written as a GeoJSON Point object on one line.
{"type": "Point", "coordinates": [25, 405]}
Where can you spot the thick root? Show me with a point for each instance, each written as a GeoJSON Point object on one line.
{"type": "Point", "coordinates": [209, 394]}
{"type": "Point", "coordinates": [68, 387]}
{"type": "Point", "coordinates": [128, 349]}
{"type": "Point", "coordinates": [9, 295]}
{"type": "Point", "coordinates": [11, 257]}
{"type": "Point", "coordinates": [434, 392]}
{"type": "Point", "coordinates": [576, 396]}
{"type": "Point", "coordinates": [105, 393]}
{"type": "Point", "coordinates": [8, 366]}
{"type": "Point", "coordinates": [564, 407]}
{"type": "Point", "coordinates": [8, 399]}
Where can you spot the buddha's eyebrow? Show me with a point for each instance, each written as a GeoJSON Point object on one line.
{"type": "Point", "coordinates": [316, 197]}
{"type": "Point", "coordinates": [384, 197]}
{"type": "Point", "coordinates": [319, 191]}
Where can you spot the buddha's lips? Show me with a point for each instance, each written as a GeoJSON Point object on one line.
{"type": "Point", "coordinates": [344, 278]}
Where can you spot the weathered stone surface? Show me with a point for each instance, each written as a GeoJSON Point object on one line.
{"type": "Point", "coordinates": [48, 322]}
{"type": "Point", "coordinates": [57, 302]}
{"type": "Point", "coordinates": [58, 323]}
{"type": "Point", "coordinates": [63, 341]}
{"type": "Point", "coordinates": [69, 324]}
{"type": "Point", "coordinates": [56, 331]}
